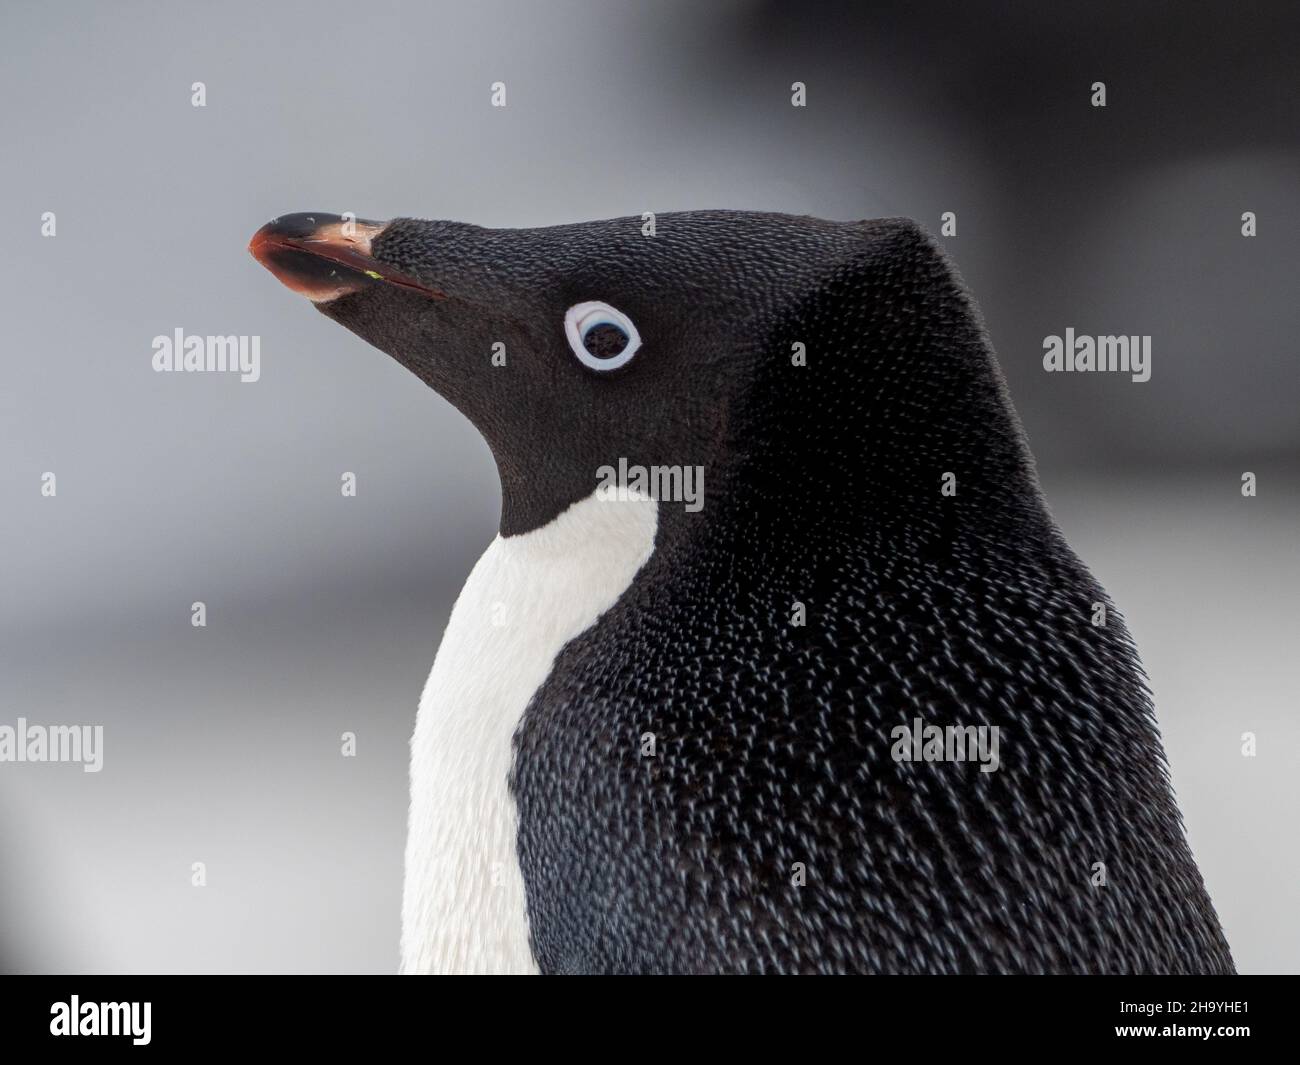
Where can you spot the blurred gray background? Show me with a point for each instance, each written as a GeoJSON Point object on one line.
{"type": "Point", "coordinates": [222, 743]}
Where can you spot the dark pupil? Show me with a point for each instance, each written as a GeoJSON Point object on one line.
{"type": "Point", "coordinates": [604, 341]}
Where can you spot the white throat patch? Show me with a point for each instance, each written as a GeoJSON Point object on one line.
{"type": "Point", "coordinates": [463, 906]}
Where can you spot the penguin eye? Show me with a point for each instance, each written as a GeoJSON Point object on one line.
{"type": "Point", "coordinates": [603, 338]}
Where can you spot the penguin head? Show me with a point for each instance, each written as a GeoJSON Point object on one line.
{"type": "Point", "coordinates": [572, 348]}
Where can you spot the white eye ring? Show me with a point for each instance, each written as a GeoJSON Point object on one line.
{"type": "Point", "coordinates": [582, 318]}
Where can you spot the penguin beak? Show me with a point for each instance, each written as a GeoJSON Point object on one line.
{"type": "Point", "coordinates": [324, 256]}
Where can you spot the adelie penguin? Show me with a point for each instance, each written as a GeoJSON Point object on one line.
{"type": "Point", "coordinates": [661, 739]}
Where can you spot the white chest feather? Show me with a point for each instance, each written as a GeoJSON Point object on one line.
{"type": "Point", "coordinates": [463, 906]}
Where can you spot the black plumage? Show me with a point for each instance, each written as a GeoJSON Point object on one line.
{"type": "Point", "coordinates": [772, 741]}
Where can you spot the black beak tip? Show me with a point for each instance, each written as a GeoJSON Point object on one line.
{"type": "Point", "coordinates": [317, 254]}
{"type": "Point", "coordinates": [299, 224]}
{"type": "Point", "coordinates": [323, 256]}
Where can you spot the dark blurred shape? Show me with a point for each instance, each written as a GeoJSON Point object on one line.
{"type": "Point", "coordinates": [1123, 219]}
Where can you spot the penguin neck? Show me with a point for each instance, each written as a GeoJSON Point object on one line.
{"type": "Point", "coordinates": [862, 474]}
{"type": "Point", "coordinates": [533, 499]}
{"type": "Point", "coordinates": [898, 426]}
